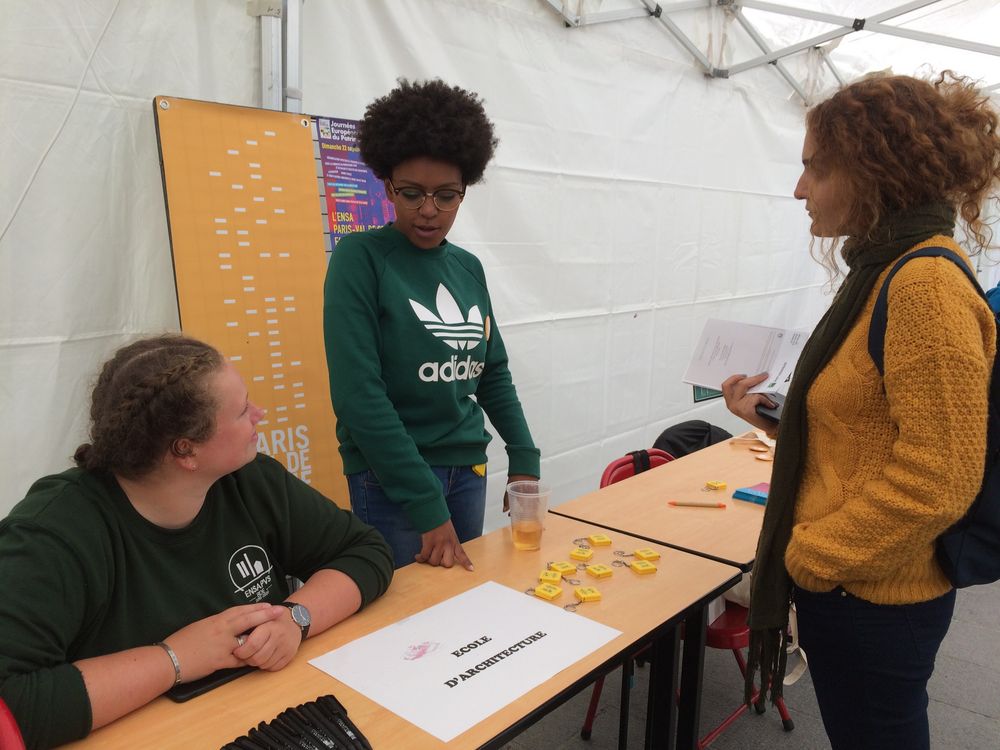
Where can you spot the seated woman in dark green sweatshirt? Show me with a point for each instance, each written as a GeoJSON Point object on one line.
{"type": "Point", "coordinates": [163, 556]}
{"type": "Point", "coordinates": [414, 351]}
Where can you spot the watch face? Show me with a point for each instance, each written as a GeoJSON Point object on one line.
{"type": "Point", "coordinates": [300, 615]}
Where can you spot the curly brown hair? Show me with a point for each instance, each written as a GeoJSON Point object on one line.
{"type": "Point", "coordinates": [149, 395]}
{"type": "Point", "coordinates": [427, 118]}
{"type": "Point", "coordinates": [900, 142]}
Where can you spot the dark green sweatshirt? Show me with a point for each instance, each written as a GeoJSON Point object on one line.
{"type": "Point", "coordinates": [415, 358]}
{"type": "Point", "coordinates": [83, 574]}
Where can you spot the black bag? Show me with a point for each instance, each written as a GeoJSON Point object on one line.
{"type": "Point", "coordinates": [968, 552]}
{"type": "Point", "coordinates": [684, 438]}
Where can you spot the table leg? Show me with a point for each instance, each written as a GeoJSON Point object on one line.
{"type": "Point", "coordinates": [692, 674]}
{"type": "Point", "coordinates": [663, 664]}
{"type": "Point", "coordinates": [623, 703]}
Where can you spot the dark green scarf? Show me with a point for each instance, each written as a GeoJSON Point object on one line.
{"type": "Point", "coordinates": [772, 588]}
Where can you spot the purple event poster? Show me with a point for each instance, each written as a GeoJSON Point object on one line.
{"type": "Point", "coordinates": [355, 198]}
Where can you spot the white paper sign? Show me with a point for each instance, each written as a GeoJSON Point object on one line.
{"type": "Point", "coordinates": [452, 665]}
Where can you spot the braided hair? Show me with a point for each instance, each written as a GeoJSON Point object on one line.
{"type": "Point", "coordinates": [148, 396]}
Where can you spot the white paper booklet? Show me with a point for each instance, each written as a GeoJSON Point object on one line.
{"type": "Point", "coordinates": [727, 347]}
{"type": "Point", "coordinates": [449, 667]}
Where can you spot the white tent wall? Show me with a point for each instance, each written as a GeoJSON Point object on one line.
{"type": "Point", "coordinates": [85, 258]}
{"type": "Point", "coordinates": [631, 197]}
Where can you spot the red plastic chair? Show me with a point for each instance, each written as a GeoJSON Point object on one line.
{"type": "Point", "coordinates": [624, 467]}
{"type": "Point", "coordinates": [10, 735]}
{"type": "Point", "coordinates": [729, 630]}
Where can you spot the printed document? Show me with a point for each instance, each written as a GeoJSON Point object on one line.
{"type": "Point", "coordinates": [727, 348]}
{"type": "Point", "coordinates": [449, 667]}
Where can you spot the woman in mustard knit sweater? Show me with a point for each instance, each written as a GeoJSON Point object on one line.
{"type": "Point", "coordinates": [870, 470]}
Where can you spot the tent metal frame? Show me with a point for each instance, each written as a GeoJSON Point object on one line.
{"type": "Point", "coordinates": [875, 24]}
{"type": "Point", "coordinates": [280, 53]}
{"type": "Point", "coordinates": [281, 39]}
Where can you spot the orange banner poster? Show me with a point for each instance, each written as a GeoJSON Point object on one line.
{"type": "Point", "coordinates": [247, 237]}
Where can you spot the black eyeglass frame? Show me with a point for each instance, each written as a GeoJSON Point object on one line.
{"type": "Point", "coordinates": [433, 196]}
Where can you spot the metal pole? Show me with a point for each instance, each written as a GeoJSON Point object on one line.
{"type": "Point", "coordinates": [786, 10]}
{"type": "Point", "coordinates": [755, 35]}
{"type": "Point", "coordinates": [833, 68]}
{"type": "Point", "coordinates": [857, 25]}
{"type": "Point", "coordinates": [293, 55]}
{"type": "Point", "coordinates": [271, 85]}
{"type": "Point", "coordinates": [923, 36]}
{"type": "Point", "coordinates": [687, 44]}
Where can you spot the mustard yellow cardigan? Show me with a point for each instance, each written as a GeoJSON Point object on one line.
{"type": "Point", "coordinates": [888, 469]}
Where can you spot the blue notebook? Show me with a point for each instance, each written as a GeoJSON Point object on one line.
{"type": "Point", "coordinates": [756, 494]}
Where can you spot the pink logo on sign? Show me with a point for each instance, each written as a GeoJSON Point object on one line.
{"type": "Point", "coordinates": [419, 650]}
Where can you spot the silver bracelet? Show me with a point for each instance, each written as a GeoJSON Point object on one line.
{"type": "Point", "coordinates": [173, 660]}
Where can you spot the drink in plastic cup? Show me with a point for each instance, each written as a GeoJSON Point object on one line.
{"type": "Point", "coordinates": [529, 500]}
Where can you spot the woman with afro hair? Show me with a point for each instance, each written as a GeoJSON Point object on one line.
{"type": "Point", "coordinates": [414, 352]}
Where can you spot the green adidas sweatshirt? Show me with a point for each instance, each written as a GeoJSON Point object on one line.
{"type": "Point", "coordinates": [415, 358]}
{"type": "Point", "coordinates": [83, 574]}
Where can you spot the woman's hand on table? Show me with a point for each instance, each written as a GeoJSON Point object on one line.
{"type": "Point", "coordinates": [210, 644]}
{"type": "Point", "coordinates": [271, 645]}
{"type": "Point", "coordinates": [441, 547]}
{"type": "Point", "coordinates": [743, 404]}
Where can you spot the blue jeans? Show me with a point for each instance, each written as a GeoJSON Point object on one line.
{"type": "Point", "coordinates": [464, 492]}
{"type": "Point", "coordinates": [870, 664]}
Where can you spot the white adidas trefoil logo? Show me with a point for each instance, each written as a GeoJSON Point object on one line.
{"type": "Point", "coordinates": [456, 331]}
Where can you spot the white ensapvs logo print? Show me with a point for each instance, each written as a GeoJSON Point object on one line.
{"type": "Point", "coordinates": [460, 332]}
{"type": "Point", "coordinates": [250, 572]}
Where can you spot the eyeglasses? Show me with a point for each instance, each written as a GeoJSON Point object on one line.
{"type": "Point", "coordinates": [413, 198]}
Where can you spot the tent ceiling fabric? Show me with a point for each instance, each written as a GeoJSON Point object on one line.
{"type": "Point", "coordinates": [631, 198]}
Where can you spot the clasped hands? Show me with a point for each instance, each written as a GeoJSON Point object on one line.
{"type": "Point", "coordinates": [271, 640]}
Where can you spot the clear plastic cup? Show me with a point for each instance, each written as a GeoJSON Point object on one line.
{"type": "Point", "coordinates": [529, 501]}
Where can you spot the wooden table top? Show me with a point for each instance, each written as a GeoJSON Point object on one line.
{"type": "Point", "coordinates": [638, 505]}
{"type": "Point", "coordinates": [636, 605]}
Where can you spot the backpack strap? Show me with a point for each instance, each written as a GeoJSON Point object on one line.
{"type": "Point", "coordinates": [640, 461]}
{"type": "Point", "coordinates": [880, 314]}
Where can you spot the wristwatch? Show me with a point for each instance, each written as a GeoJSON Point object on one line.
{"type": "Point", "coordinates": [300, 616]}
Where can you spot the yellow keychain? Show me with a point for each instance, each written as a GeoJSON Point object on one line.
{"type": "Point", "coordinates": [597, 570]}
{"type": "Point", "coordinates": [582, 554]}
{"type": "Point", "coordinates": [547, 591]}
{"type": "Point", "coordinates": [562, 568]}
{"type": "Point", "coordinates": [642, 567]}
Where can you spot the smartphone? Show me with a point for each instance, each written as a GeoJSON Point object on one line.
{"type": "Point", "coordinates": [775, 413]}
{"type": "Point", "coordinates": [188, 690]}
